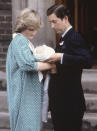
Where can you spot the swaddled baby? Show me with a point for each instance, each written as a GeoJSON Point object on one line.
{"type": "Point", "coordinates": [43, 52]}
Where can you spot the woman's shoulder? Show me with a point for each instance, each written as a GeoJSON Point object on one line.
{"type": "Point", "coordinates": [19, 36]}
{"type": "Point", "coordinates": [19, 39]}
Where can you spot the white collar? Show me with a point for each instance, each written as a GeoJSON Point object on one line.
{"type": "Point", "coordinates": [66, 31]}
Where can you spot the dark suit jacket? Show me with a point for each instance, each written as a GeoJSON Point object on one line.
{"type": "Point", "coordinates": [65, 89]}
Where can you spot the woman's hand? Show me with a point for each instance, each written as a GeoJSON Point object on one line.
{"type": "Point", "coordinates": [42, 66]}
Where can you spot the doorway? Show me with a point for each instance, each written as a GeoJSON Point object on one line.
{"type": "Point", "coordinates": [84, 20]}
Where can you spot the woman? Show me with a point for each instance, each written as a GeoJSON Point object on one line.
{"type": "Point", "coordinates": [23, 85]}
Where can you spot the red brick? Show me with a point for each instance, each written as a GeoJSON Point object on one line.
{"type": "Point", "coordinates": [5, 49]}
{"type": "Point", "coordinates": [5, 6]}
{"type": "Point", "coordinates": [4, 43]}
{"type": "Point", "coordinates": [2, 55]}
{"type": "Point", "coordinates": [8, 18]}
{"type": "Point", "coordinates": [6, 25]}
{"type": "Point", "coordinates": [1, 49]}
{"type": "Point", "coordinates": [2, 62]}
{"type": "Point", "coordinates": [5, 29]}
{"type": "Point", "coordinates": [1, 18]}
{"type": "Point", "coordinates": [8, 31]}
{"type": "Point", "coordinates": [5, 1]}
{"type": "Point", "coordinates": [5, 37]}
{"type": "Point", "coordinates": [2, 31]}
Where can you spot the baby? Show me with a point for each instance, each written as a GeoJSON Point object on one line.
{"type": "Point", "coordinates": [43, 52]}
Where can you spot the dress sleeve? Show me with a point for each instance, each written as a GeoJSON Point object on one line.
{"type": "Point", "coordinates": [23, 54]}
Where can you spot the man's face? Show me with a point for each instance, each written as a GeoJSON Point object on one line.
{"type": "Point", "coordinates": [57, 24]}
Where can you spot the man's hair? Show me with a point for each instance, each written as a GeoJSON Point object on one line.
{"type": "Point", "coordinates": [27, 19]}
{"type": "Point", "coordinates": [59, 10]}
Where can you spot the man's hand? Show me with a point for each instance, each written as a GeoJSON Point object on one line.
{"type": "Point", "coordinates": [55, 58]}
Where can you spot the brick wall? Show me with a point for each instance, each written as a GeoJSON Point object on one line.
{"type": "Point", "coordinates": [5, 29]}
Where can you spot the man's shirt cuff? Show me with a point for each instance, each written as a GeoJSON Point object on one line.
{"type": "Point", "coordinates": [61, 59]}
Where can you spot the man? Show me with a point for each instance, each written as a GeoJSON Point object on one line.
{"type": "Point", "coordinates": [66, 98]}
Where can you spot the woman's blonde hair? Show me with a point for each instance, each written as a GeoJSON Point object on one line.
{"type": "Point", "coordinates": [28, 19]}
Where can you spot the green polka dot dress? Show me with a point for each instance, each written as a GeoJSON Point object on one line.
{"type": "Point", "coordinates": [24, 89]}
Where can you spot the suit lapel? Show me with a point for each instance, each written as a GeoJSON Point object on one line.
{"type": "Point", "coordinates": [62, 40]}
{"type": "Point", "coordinates": [67, 34]}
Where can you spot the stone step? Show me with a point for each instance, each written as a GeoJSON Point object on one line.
{"type": "Point", "coordinates": [90, 122]}
{"type": "Point", "coordinates": [91, 102]}
{"type": "Point", "coordinates": [89, 80]}
{"type": "Point", "coordinates": [4, 120]}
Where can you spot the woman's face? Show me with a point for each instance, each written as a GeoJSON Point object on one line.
{"type": "Point", "coordinates": [29, 34]}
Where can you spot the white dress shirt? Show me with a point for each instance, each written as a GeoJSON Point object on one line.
{"type": "Point", "coordinates": [62, 37]}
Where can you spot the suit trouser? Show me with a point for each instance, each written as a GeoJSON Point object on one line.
{"type": "Point", "coordinates": [66, 122]}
